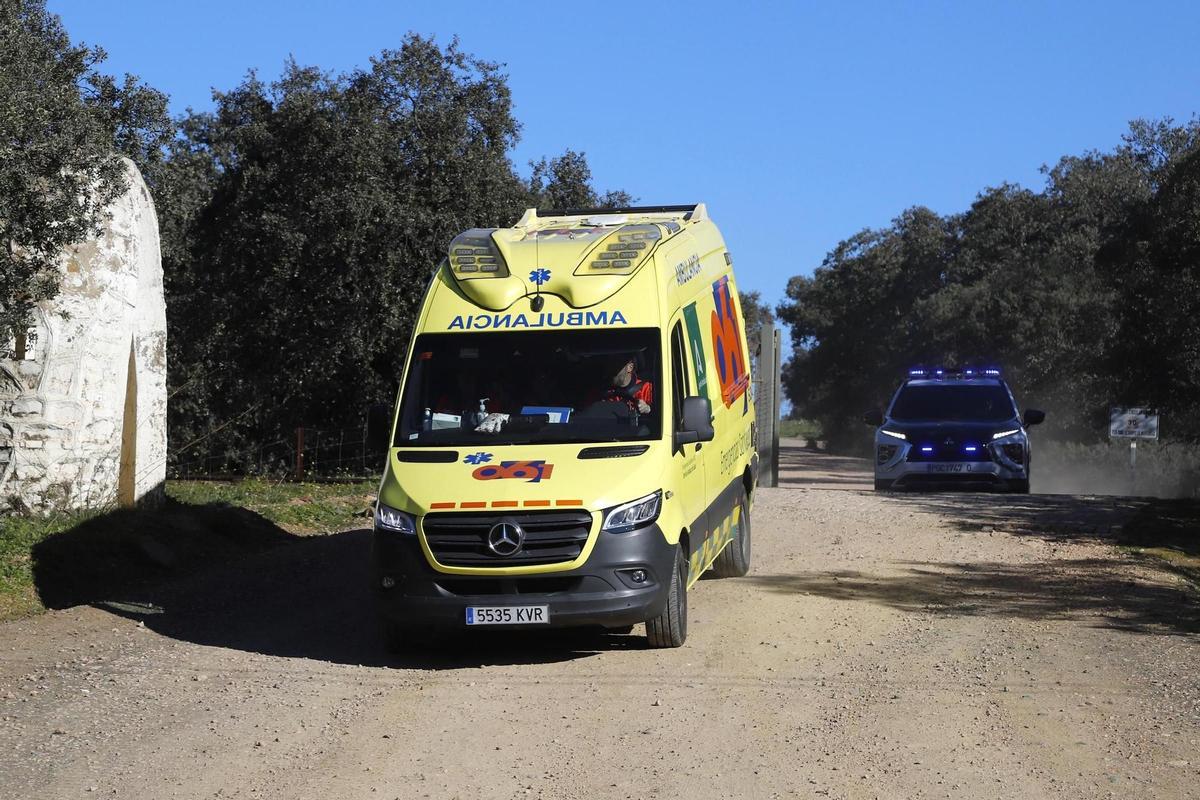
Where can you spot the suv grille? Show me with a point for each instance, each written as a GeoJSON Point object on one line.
{"type": "Point", "coordinates": [943, 452]}
{"type": "Point", "coordinates": [551, 537]}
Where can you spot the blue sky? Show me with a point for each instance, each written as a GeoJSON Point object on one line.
{"type": "Point", "coordinates": [797, 123]}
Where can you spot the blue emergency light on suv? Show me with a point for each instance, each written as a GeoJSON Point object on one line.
{"type": "Point", "coordinates": [953, 427]}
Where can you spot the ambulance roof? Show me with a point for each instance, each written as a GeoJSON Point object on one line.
{"type": "Point", "coordinates": [582, 255]}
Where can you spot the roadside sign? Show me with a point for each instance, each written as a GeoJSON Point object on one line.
{"type": "Point", "coordinates": [1133, 423]}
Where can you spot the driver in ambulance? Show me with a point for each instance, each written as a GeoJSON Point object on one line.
{"type": "Point", "coordinates": [626, 387]}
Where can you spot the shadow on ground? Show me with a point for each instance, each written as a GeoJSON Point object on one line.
{"type": "Point", "coordinates": [1100, 590]}
{"type": "Point", "coordinates": [226, 577]}
{"type": "Point", "coordinates": [1169, 530]}
{"type": "Point", "coordinates": [800, 465]}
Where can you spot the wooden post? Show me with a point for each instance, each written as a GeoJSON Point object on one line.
{"type": "Point", "coordinates": [776, 395]}
{"type": "Point", "coordinates": [299, 454]}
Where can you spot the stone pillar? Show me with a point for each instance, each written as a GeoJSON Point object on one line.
{"type": "Point", "coordinates": [83, 414]}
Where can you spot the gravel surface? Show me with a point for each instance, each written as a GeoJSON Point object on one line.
{"type": "Point", "coordinates": [892, 646]}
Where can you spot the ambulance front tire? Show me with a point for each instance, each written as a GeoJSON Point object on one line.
{"type": "Point", "coordinates": [883, 485]}
{"type": "Point", "coordinates": [669, 629]}
{"type": "Point", "coordinates": [734, 560]}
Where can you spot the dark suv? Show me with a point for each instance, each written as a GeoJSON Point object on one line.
{"type": "Point", "coordinates": [953, 427]}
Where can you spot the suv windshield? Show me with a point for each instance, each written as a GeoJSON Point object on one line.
{"type": "Point", "coordinates": [955, 403]}
{"type": "Point", "coordinates": [560, 386]}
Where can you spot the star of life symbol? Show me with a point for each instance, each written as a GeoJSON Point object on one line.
{"type": "Point", "coordinates": [477, 458]}
{"type": "Point", "coordinates": [539, 276]}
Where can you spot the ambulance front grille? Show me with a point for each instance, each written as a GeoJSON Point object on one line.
{"type": "Point", "coordinates": [460, 539]}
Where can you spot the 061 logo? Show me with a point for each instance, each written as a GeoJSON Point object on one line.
{"type": "Point", "coordinates": [529, 471]}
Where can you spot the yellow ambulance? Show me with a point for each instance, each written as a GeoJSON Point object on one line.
{"type": "Point", "coordinates": [573, 440]}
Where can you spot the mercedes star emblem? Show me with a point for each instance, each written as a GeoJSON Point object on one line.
{"type": "Point", "coordinates": [505, 538]}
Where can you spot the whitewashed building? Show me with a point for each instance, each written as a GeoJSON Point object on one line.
{"type": "Point", "coordinates": [83, 401]}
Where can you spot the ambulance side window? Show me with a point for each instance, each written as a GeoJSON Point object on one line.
{"type": "Point", "coordinates": [679, 373]}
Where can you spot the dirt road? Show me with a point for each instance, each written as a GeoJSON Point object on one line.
{"type": "Point", "coordinates": [957, 646]}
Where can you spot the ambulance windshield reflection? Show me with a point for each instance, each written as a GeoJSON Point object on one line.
{"type": "Point", "coordinates": [494, 388]}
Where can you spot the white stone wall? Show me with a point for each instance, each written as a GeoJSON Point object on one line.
{"type": "Point", "coordinates": [63, 408]}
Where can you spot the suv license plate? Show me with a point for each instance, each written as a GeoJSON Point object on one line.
{"type": "Point", "coordinates": [951, 468]}
{"type": "Point", "coordinates": [508, 615]}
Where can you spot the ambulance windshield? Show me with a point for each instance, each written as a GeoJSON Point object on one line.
{"type": "Point", "coordinates": [532, 387]}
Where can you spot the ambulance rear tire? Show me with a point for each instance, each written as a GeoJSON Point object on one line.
{"type": "Point", "coordinates": [669, 629]}
{"type": "Point", "coordinates": [734, 560]}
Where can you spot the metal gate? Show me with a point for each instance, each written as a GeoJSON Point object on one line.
{"type": "Point", "coordinates": [766, 373]}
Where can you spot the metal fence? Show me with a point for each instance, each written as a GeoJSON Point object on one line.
{"type": "Point", "coordinates": [313, 454]}
{"type": "Point", "coordinates": [319, 454]}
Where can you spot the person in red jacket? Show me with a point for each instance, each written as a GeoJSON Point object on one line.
{"type": "Point", "coordinates": [626, 387]}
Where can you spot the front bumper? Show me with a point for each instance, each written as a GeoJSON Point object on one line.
{"type": "Point", "coordinates": [899, 472]}
{"type": "Point", "coordinates": [601, 592]}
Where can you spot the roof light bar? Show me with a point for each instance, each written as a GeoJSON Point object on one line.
{"type": "Point", "coordinates": [954, 372]}
{"type": "Point", "coordinates": [473, 254]}
{"type": "Point", "coordinates": [622, 251]}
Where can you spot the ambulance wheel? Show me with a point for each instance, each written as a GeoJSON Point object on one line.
{"type": "Point", "coordinates": [1019, 487]}
{"type": "Point", "coordinates": [883, 485]}
{"type": "Point", "coordinates": [669, 629]}
{"type": "Point", "coordinates": [734, 560]}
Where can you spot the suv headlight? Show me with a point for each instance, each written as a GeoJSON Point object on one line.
{"type": "Point", "coordinates": [390, 519]}
{"type": "Point", "coordinates": [633, 514]}
{"type": "Point", "coordinates": [1009, 445]}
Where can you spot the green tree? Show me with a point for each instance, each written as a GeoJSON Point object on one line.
{"type": "Point", "coordinates": [755, 314]}
{"type": "Point", "coordinates": [305, 218]}
{"type": "Point", "coordinates": [566, 182]}
{"type": "Point", "coordinates": [63, 127]}
{"type": "Point", "coordinates": [1085, 292]}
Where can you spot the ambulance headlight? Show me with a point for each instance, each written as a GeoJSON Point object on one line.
{"type": "Point", "coordinates": [634, 514]}
{"type": "Point", "coordinates": [473, 254]}
{"type": "Point", "coordinates": [390, 519]}
{"type": "Point", "coordinates": [622, 251]}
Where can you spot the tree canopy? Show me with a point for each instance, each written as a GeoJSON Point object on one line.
{"type": "Point", "coordinates": [1085, 292]}
{"type": "Point", "coordinates": [302, 222]}
{"type": "Point", "coordinates": [63, 127]}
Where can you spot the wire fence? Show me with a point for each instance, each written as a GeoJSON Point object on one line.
{"type": "Point", "coordinates": [313, 454]}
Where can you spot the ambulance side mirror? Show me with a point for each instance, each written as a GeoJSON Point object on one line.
{"type": "Point", "coordinates": [874, 418]}
{"type": "Point", "coordinates": [697, 422]}
{"type": "Point", "coordinates": [379, 425]}
{"type": "Point", "coordinates": [1034, 417]}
